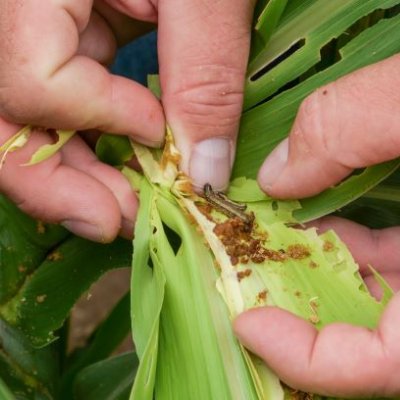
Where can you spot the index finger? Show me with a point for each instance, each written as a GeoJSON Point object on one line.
{"type": "Point", "coordinates": [203, 52]}
{"type": "Point", "coordinates": [44, 81]}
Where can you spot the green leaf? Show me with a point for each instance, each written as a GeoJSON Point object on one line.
{"type": "Point", "coordinates": [196, 338]}
{"type": "Point", "coordinates": [24, 243]}
{"type": "Point", "coordinates": [246, 190]}
{"type": "Point", "coordinates": [322, 271]}
{"type": "Point", "coordinates": [5, 393]}
{"type": "Point", "coordinates": [38, 309]}
{"type": "Point", "coordinates": [147, 296]}
{"type": "Point", "coordinates": [312, 276]}
{"type": "Point", "coordinates": [114, 149]}
{"type": "Point", "coordinates": [107, 337]}
{"type": "Point", "coordinates": [153, 83]}
{"type": "Point", "coordinates": [265, 25]}
{"type": "Point", "coordinates": [30, 374]}
{"type": "Point", "coordinates": [342, 194]}
{"type": "Point", "coordinates": [379, 207]}
{"type": "Point", "coordinates": [373, 210]}
{"type": "Point", "coordinates": [305, 28]}
{"type": "Point", "coordinates": [15, 142]}
{"type": "Point", "coordinates": [46, 151]}
{"type": "Point", "coordinates": [109, 379]}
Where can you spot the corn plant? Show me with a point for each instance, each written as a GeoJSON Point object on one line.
{"type": "Point", "coordinates": [198, 262]}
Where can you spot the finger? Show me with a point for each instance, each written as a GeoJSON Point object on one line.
{"type": "Point", "coordinates": [78, 155]}
{"type": "Point", "coordinates": [203, 51]}
{"type": "Point", "coordinates": [97, 40]}
{"type": "Point", "coordinates": [379, 248]}
{"type": "Point", "coordinates": [44, 81]}
{"type": "Point", "coordinates": [57, 193]}
{"type": "Point", "coordinates": [123, 23]}
{"type": "Point", "coordinates": [351, 123]}
{"type": "Point", "coordinates": [341, 360]}
{"type": "Point", "coordinates": [144, 10]}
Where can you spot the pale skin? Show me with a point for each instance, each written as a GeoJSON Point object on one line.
{"type": "Point", "coordinates": [351, 123]}
{"type": "Point", "coordinates": [51, 75]}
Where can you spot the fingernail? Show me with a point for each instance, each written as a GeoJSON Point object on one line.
{"type": "Point", "coordinates": [211, 163]}
{"type": "Point", "coordinates": [274, 165]}
{"type": "Point", "coordinates": [84, 229]}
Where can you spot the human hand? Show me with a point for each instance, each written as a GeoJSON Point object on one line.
{"type": "Point", "coordinates": [51, 75]}
{"type": "Point", "coordinates": [352, 123]}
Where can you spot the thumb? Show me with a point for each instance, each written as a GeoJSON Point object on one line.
{"type": "Point", "coordinates": [341, 360]}
{"type": "Point", "coordinates": [203, 51]}
{"type": "Point", "coordinates": [351, 123]}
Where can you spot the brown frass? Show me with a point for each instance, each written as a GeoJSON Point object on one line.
{"type": "Point", "coordinates": [243, 244]}
{"type": "Point", "coordinates": [298, 251]}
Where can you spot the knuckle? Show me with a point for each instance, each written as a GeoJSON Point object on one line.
{"type": "Point", "coordinates": [317, 124]}
{"type": "Point", "coordinates": [213, 97]}
{"type": "Point", "coordinates": [30, 207]}
{"type": "Point", "coordinates": [97, 41]}
{"type": "Point", "coordinates": [78, 10]}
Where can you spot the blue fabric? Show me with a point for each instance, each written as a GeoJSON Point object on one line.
{"type": "Point", "coordinates": [138, 59]}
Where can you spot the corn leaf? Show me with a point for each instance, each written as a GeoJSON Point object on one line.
{"type": "Point", "coordinates": [265, 25]}
{"type": "Point", "coordinates": [196, 339]}
{"type": "Point", "coordinates": [25, 369]}
{"type": "Point", "coordinates": [378, 208]}
{"type": "Point", "coordinates": [24, 243]}
{"type": "Point", "coordinates": [48, 150]}
{"type": "Point", "coordinates": [15, 142]}
{"type": "Point", "coordinates": [37, 309]}
{"type": "Point", "coordinates": [320, 268]}
{"type": "Point", "coordinates": [336, 197]}
{"type": "Point", "coordinates": [5, 393]}
{"type": "Point", "coordinates": [147, 296]}
{"type": "Point", "coordinates": [312, 276]}
{"type": "Point", "coordinates": [304, 29]}
{"type": "Point", "coordinates": [114, 149]}
{"type": "Point", "coordinates": [109, 379]}
{"type": "Point", "coordinates": [107, 337]}
{"type": "Point", "coordinates": [153, 83]}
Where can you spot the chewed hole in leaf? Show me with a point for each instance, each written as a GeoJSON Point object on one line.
{"type": "Point", "coordinates": [173, 238]}
{"type": "Point", "coordinates": [281, 58]}
{"type": "Point", "coordinates": [330, 53]}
